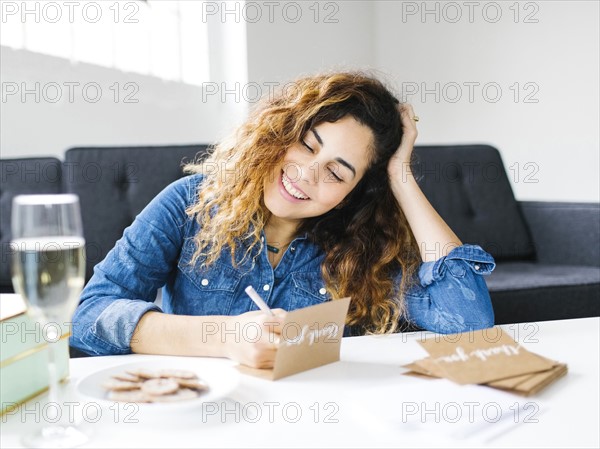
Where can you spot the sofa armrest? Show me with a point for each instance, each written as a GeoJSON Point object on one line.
{"type": "Point", "coordinates": [564, 233]}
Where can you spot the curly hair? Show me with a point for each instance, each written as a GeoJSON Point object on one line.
{"type": "Point", "coordinates": [366, 241]}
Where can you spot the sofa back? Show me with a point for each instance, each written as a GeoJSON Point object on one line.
{"type": "Point", "coordinates": [22, 176]}
{"type": "Point", "coordinates": [467, 185]}
{"type": "Point", "coordinates": [114, 184]}
{"type": "Point", "coordinates": [469, 188]}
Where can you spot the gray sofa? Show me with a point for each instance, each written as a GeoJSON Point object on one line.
{"type": "Point", "coordinates": [547, 253]}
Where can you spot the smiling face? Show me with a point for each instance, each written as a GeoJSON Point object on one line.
{"type": "Point", "coordinates": [318, 172]}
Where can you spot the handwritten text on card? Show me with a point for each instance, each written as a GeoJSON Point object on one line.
{"type": "Point", "coordinates": [460, 355]}
{"type": "Point", "coordinates": [329, 332]}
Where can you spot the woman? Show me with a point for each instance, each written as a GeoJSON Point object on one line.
{"type": "Point", "coordinates": [312, 199]}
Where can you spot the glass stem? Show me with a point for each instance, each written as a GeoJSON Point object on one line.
{"type": "Point", "coordinates": [53, 384]}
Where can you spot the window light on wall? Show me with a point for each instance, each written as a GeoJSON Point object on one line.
{"type": "Point", "coordinates": [163, 38]}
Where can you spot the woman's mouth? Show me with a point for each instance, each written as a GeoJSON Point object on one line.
{"type": "Point", "coordinates": [290, 191]}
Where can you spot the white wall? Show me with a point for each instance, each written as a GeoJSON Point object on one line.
{"type": "Point", "coordinates": [558, 135]}
{"type": "Point", "coordinates": [128, 108]}
{"type": "Point", "coordinates": [334, 35]}
{"type": "Point", "coordinates": [165, 112]}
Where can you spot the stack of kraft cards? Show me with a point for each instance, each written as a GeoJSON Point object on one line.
{"type": "Point", "coordinates": [486, 357]}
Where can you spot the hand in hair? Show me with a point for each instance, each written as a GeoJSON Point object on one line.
{"type": "Point", "coordinates": [400, 161]}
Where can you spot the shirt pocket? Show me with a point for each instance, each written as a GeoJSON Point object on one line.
{"type": "Point", "coordinates": [213, 287]}
{"type": "Point", "coordinates": [308, 289]}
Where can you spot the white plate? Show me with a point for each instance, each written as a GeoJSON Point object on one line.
{"type": "Point", "coordinates": [222, 379]}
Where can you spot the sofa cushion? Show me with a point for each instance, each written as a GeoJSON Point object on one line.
{"type": "Point", "coordinates": [468, 187]}
{"type": "Point", "coordinates": [509, 276]}
{"type": "Point", "coordinates": [20, 177]}
{"type": "Point", "coordinates": [546, 303]}
{"type": "Point", "coordinates": [116, 183]}
{"type": "Point", "coordinates": [524, 292]}
{"type": "Point", "coordinates": [564, 233]}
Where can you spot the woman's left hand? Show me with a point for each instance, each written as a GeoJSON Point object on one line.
{"type": "Point", "coordinates": [400, 161]}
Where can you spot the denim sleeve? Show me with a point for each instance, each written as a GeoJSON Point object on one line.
{"type": "Point", "coordinates": [125, 283]}
{"type": "Point", "coordinates": [452, 295]}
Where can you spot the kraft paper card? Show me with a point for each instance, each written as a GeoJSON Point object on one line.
{"type": "Point", "coordinates": [311, 337]}
{"type": "Point", "coordinates": [465, 358]}
{"type": "Point", "coordinates": [525, 385]}
{"type": "Point", "coordinates": [530, 384]}
{"type": "Point", "coordinates": [428, 367]}
{"type": "Point", "coordinates": [416, 370]}
{"type": "Point", "coordinates": [482, 356]}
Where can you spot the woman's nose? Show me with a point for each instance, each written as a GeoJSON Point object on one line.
{"type": "Point", "coordinates": [311, 173]}
{"type": "Point", "coordinates": [302, 173]}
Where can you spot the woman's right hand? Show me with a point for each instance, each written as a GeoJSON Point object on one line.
{"type": "Point", "coordinates": [252, 338]}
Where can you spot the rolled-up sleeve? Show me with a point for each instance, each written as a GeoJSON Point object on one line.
{"type": "Point", "coordinates": [452, 295]}
{"type": "Point", "coordinates": [124, 285]}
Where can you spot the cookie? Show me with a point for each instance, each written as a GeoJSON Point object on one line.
{"type": "Point", "coordinates": [144, 373]}
{"type": "Point", "coordinates": [159, 387]}
{"type": "Point", "coordinates": [128, 396]}
{"type": "Point", "coordinates": [127, 377]}
{"type": "Point", "coordinates": [194, 384]}
{"type": "Point", "coordinates": [182, 394]}
{"type": "Point", "coordinates": [120, 385]}
{"type": "Point", "coordinates": [179, 373]}
{"type": "Point", "coordinates": [144, 385]}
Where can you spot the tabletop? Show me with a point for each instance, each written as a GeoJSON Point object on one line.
{"type": "Point", "coordinates": [364, 400]}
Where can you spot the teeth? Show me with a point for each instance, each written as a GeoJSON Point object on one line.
{"type": "Point", "coordinates": [290, 188]}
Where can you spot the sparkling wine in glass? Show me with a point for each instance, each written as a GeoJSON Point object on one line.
{"type": "Point", "coordinates": [48, 269]}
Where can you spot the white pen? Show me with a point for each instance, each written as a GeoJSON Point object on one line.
{"type": "Point", "coordinates": [262, 305]}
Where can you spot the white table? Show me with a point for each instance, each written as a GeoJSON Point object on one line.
{"type": "Point", "coordinates": [364, 401]}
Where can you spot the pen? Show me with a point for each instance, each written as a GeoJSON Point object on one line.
{"type": "Point", "coordinates": [262, 305]}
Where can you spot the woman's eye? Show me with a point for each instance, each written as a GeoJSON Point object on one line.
{"type": "Point", "coordinates": [307, 147]}
{"type": "Point", "coordinates": [334, 174]}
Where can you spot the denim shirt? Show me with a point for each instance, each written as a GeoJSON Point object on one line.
{"type": "Point", "coordinates": [155, 252]}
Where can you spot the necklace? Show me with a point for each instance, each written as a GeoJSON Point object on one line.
{"type": "Point", "coordinates": [275, 249]}
{"type": "Point", "coordinates": [273, 253]}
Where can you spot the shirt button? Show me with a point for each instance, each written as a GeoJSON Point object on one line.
{"type": "Point", "coordinates": [204, 282]}
{"type": "Point", "coordinates": [477, 267]}
{"type": "Point", "coordinates": [266, 287]}
{"type": "Point", "coordinates": [292, 248]}
{"type": "Point", "coordinates": [322, 291]}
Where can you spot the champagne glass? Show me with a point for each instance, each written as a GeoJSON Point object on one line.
{"type": "Point", "coordinates": [48, 268]}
